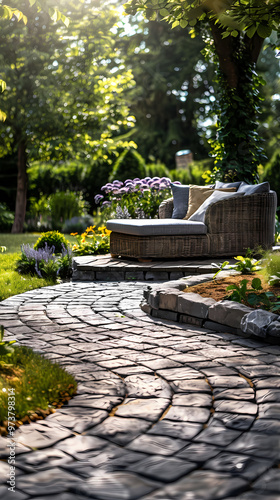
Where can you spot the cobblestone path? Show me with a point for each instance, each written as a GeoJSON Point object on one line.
{"type": "Point", "coordinates": [163, 411]}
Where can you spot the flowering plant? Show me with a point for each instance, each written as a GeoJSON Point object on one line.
{"type": "Point", "coordinates": [137, 198]}
{"type": "Point", "coordinates": [44, 262]}
{"type": "Point", "coordinates": [92, 241]}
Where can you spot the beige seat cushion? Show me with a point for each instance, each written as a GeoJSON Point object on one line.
{"type": "Point", "coordinates": [198, 194]}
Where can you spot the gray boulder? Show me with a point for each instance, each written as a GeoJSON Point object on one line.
{"type": "Point", "coordinates": [257, 322]}
{"type": "Point", "coordinates": [274, 329]}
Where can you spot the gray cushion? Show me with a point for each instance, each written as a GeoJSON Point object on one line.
{"type": "Point", "coordinates": [199, 215]}
{"type": "Point", "coordinates": [219, 184]}
{"type": "Point", "coordinates": [180, 200]}
{"type": "Point", "coordinates": [154, 227]}
{"type": "Point", "coordinates": [264, 187]}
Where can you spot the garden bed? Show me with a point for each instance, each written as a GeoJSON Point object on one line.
{"type": "Point", "coordinates": [169, 301]}
{"type": "Point", "coordinates": [217, 288]}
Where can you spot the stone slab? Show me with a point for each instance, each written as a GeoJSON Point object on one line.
{"type": "Point", "coordinates": [195, 305]}
{"type": "Point", "coordinates": [228, 313]}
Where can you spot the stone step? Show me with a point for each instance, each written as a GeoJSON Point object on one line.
{"type": "Point", "coordinates": [107, 268]}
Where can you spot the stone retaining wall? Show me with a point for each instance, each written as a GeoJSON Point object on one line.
{"type": "Point", "coordinates": [168, 301]}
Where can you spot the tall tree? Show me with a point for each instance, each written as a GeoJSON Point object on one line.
{"type": "Point", "coordinates": [234, 33]}
{"type": "Point", "coordinates": [9, 12]}
{"type": "Point", "coordinates": [62, 101]}
{"type": "Point", "coordinates": [173, 89]}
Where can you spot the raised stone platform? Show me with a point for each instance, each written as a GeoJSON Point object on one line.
{"type": "Point", "coordinates": [106, 268]}
{"type": "Point", "coordinates": [170, 302]}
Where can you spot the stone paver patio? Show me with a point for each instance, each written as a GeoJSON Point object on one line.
{"type": "Point", "coordinates": [164, 411]}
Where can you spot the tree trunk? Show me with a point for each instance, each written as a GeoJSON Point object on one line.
{"type": "Point", "coordinates": [21, 196]}
{"type": "Point", "coordinates": [224, 50]}
{"type": "Point", "coordinates": [237, 149]}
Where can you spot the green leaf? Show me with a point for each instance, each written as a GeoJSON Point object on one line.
{"type": "Point", "coordinates": [3, 116]}
{"type": "Point", "coordinates": [151, 14]}
{"type": "Point", "coordinates": [65, 20]}
{"type": "Point", "coordinates": [235, 296]}
{"type": "Point", "coordinates": [234, 33]}
{"type": "Point", "coordinates": [264, 31]}
{"type": "Point", "coordinates": [3, 85]}
{"type": "Point", "coordinates": [257, 284]}
{"type": "Point", "coordinates": [164, 12]}
{"type": "Point", "coordinates": [252, 299]}
{"type": "Point", "coordinates": [183, 23]}
{"type": "Point", "coordinates": [232, 287]}
{"type": "Point", "coordinates": [251, 30]}
{"type": "Point", "coordinates": [176, 23]}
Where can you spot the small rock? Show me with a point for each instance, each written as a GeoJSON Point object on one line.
{"type": "Point", "coordinates": [273, 329]}
{"type": "Point", "coordinates": [257, 322]}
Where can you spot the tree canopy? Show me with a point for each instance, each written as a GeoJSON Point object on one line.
{"type": "Point", "coordinates": [173, 90]}
{"type": "Point", "coordinates": [62, 99]}
{"type": "Point", "coordinates": [9, 12]}
{"type": "Point", "coordinates": [234, 32]}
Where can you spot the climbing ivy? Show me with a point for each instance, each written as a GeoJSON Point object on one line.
{"type": "Point", "coordinates": [237, 147]}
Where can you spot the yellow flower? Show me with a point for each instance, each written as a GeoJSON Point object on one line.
{"type": "Point", "coordinates": [73, 234]}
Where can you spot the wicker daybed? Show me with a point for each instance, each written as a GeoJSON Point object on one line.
{"type": "Point", "coordinates": [231, 226]}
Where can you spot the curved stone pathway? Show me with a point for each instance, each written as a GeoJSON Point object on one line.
{"type": "Point", "coordinates": [163, 411]}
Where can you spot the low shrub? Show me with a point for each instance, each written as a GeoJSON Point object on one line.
{"type": "Point", "coordinates": [128, 165]}
{"type": "Point", "coordinates": [254, 296]}
{"type": "Point", "coordinates": [45, 263]}
{"type": "Point", "coordinates": [245, 265]}
{"type": "Point", "coordinates": [52, 239]}
{"type": "Point", "coordinates": [269, 267]}
{"type": "Point", "coordinates": [38, 215]}
{"type": "Point", "coordinates": [51, 212]}
{"type": "Point", "coordinates": [157, 170]}
{"type": "Point", "coordinates": [137, 198]}
{"type": "Point", "coordinates": [64, 206]}
{"type": "Point", "coordinates": [77, 224]}
{"type": "Point", "coordinates": [196, 173]}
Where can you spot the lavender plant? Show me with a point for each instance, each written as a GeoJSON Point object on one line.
{"type": "Point", "coordinates": [137, 198]}
{"type": "Point", "coordinates": [44, 262]}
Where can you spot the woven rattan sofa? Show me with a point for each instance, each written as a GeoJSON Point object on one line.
{"type": "Point", "coordinates": [230, 227]}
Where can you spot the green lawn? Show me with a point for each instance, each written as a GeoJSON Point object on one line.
{"type": "Point", "coordinates": [13, 283]}
{"type": "Point", "coordinates": [39, 384]}
{"type": "Point", "coordinates": [13, 242]}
